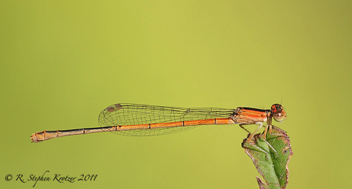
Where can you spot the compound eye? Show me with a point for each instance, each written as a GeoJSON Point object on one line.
{"type": "Point", "coordinates": [279, 114]}
{"type": "Point", "coordinates": [276, 108]}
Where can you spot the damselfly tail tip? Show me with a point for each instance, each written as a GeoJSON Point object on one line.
{"type": "Point", "coordinates": [34, 138]}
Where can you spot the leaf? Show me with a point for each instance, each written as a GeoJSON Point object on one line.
{"type": "Point", "coordinates": [273, 167]}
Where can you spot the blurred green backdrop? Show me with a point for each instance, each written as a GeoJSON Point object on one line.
{"type": "Point", "coordinates": [62, 62]}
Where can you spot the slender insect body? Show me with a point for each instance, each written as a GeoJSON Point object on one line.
{"type": "Point", "coordinates": [149, 120]}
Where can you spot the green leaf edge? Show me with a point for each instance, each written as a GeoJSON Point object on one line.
{"type": "Point", "coordinates": [273, 169]}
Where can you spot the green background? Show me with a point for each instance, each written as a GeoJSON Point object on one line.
{"type": "Point", "coordinates": [62, 62]}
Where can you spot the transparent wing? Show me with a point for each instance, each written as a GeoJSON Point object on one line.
{"type": "Point", "coordinates": [135, 114]}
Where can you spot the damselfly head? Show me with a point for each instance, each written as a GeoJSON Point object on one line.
{"type": "Point", "coordinates": [278, 112]}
